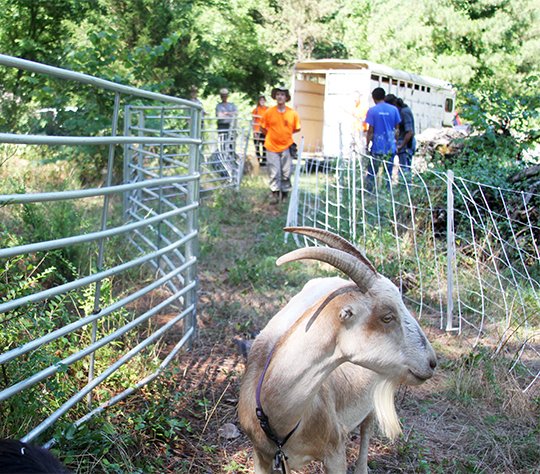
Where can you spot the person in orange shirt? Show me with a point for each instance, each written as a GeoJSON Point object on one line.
{"type": "Point", "coordinates": [258, 136]}
{"type": "Point", "coordinates": [360, 112]}
{"type": "Point", "coordinates": [278, 124]}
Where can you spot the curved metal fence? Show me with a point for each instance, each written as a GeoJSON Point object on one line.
{"type": "Point", "coordinates": [81, 339]}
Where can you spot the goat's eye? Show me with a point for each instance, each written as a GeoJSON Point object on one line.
{"type": "Point", "coordinates": [387, 318]}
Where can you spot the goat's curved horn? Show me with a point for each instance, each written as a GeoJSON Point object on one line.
{"type": "Point", "coordinates": [332, 240]}
{"type": "Point", "coordinates": [362, 274]}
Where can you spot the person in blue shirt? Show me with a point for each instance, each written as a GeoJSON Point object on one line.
{"type": "Point", "coordinates": [383, 120]}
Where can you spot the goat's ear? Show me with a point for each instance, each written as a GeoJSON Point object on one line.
{"type": "Point", "coordinates": [346, 314]}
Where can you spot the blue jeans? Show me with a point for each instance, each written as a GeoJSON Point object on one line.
{"type": "Point", "coordinates": [405, 160]}
{"type": "Point", "coordinates": [405, 157]}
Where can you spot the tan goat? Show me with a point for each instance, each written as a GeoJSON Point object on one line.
{"type": "Point", "coordinates": [329, 359]}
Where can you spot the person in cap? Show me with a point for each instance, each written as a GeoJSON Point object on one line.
{"type": "Point", "coordinates": [258, 135]}
{"type": "Point", "coordinates": [278, 124]}
{"type": "Point", "coordinates": [226, 114]}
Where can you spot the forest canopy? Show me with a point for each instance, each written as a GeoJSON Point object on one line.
{"type": "Point", "coordinates": [486, 48]}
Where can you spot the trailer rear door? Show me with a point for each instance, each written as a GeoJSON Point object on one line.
{"type": "Point", "coordinates": [308, 100]}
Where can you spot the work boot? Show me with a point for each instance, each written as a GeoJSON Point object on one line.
{"type": "Point", "coordinates": [284, 195]}
{"type": "Point", "coordinates": [275, 197]}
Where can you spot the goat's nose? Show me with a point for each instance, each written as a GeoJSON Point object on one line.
{"type": "Point", "coordinates": [433, 363]}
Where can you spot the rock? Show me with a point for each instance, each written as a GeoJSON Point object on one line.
{"type": "Point", "coordinates": [229, 431]}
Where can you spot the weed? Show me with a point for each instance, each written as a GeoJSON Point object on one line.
{"type": "Point", "coordinates": [209, 449]}
{"type": "Point", "coordinates": [233, 466]}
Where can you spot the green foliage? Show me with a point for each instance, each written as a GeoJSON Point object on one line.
{"type": "Point", "coordinates": [237, 57]}
{"type": "Point", "coordinates": [40, 222]}
{"type": "Point", "coordinates": [301, 29]}
{"type": "Point", "coordinates": [470, 43]}
{"type": "Point", "coordinates": [246, 46]}
{"type": "Point", "coordinates": [504, 129]}
{"type": "Point", "coordinates": [33, 273]}
{"type": "Point", "coordinates": [36, 31]}
{"type": "Point", "coordinates": [505, 126]}
{"type": "Point", "coordinates": [165, 46]}
{"type": "Point", "coordinates": [162, 46]}
{"type": "Point", "coordinates": [98, 442]}
{"type": "Point", "coordinates": [233, 466]}
{"type": "Point", "coordinates": [169, 46]}
{"type": "Point", "coordinates": [324, 50]}
{"type": "Point", "coordinates": [23, 276]}
{"type": "Point", "coordinates": [123, 441]}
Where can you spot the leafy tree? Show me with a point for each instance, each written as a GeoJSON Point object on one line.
{"type": "Point", "coordinates": [171, 45]}
{"type": "Point", "coordinates": [472, 43]}
{"type": "Point", "coordinates": [328, 49]}
{"type": "Point", "coordinates": [239, 58]}
{"type": "Point", "coordinates": [34, 30]}
{"type": "Point", "coordinates": [246, 45]}
{"type": "Point", "coordinates": [294, 28]}
{"type": "Point", "coordinates": [162, 45]}
{"type": "Point", "coordinates": [352, 26]}
{"type": "Point", "coordinates": [505, 126]}
{"type": "Point", "coordinates": [486, 35]}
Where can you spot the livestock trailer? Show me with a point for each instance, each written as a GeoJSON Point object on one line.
{"type": "Point", "coordinates": [333, 95]}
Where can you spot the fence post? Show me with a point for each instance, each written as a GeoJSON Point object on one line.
{"type": "Point", "coordinates": [192, 246]}
{"type": "Point", "coordinates": [127, 158]}
{"type": "Point", "coordinates": [449, 250]}
{"type": "Point", "coordinates": [292, 211]}
{"type": "Point", "coordinates": [159, 237]}
{"type": "Point", "coordinates": [352, 163]}
{"type": "Point", "coordinates": [243, 156]}
{"type": "Point", "coordinates": [101, 242]}
{"type": "Point", "coordinates": [339, 177]}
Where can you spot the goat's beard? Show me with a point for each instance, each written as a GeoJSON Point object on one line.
{"type": "Point", "coordinates": [385, 409]}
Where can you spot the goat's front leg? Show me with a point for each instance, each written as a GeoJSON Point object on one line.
{"type": "Point", "coordinates": [336, 463]}
{"type": "Point", "coordinates": [365, 433]}
{"type": "Point", "coordinates": [261, 465]}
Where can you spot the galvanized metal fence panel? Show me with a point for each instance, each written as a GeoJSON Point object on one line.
{"type": "Point", "coordinates": [87, 337]}
{"type": "Point", "coordinates": [463, 254]}
{"type": "Point", "coordinates": [222, 152]}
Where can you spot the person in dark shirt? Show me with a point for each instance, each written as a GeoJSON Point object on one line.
{"type": "Point", "coordinates": [406, 141]}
